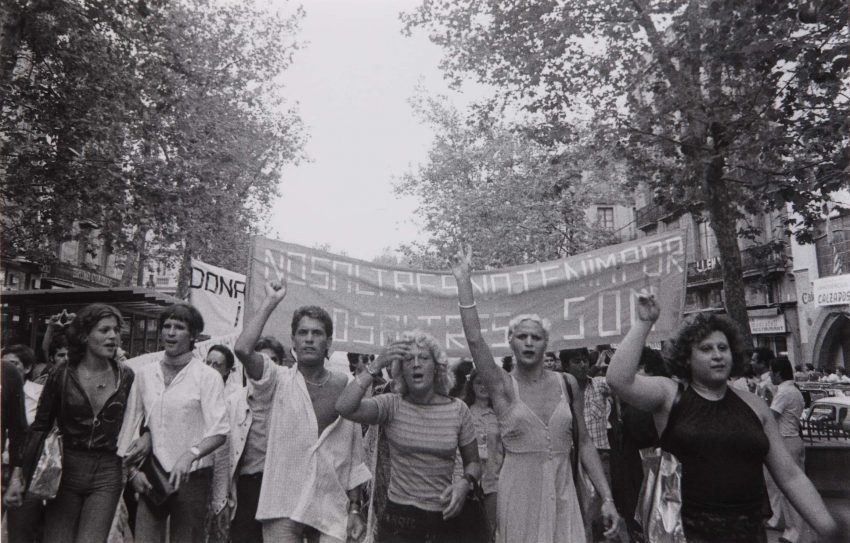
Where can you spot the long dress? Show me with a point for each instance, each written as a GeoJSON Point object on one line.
{"type": "Point", "coordinates": [537, 500]}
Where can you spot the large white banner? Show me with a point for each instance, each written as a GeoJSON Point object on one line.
{"type": "Point", "coordinates": [219, 295]}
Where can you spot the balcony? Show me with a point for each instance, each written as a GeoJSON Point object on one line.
{"type": "Point", "coordinates": [756, 260]}
{"type": "Point", "coordinates": [649, 215]}
{"type": "Point", "coordinates": [763, 260]}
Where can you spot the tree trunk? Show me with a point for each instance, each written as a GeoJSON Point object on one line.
{"type": "Point", "coordinates": [134, 260]}
{"type": "Point", "coordinates": [185, 273]}
{"type": "Point", "coordinates": [724, 224]}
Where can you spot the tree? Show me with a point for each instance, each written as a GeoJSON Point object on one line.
{"type": "Point", "coordinates": [721, 106]}
{"type": "Point", "coordinates": [514, 200]}
{"type": "Point", "coordinates": [158, 120]}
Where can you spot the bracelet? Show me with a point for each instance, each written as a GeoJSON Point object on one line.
{"type": "Point", "coordinates": [353, 507]}
{"type": "Point", "coordinates": [470, 306]}
{"type": "Point", "coordinates": [604, 500]}
{"type": "Point", "coordinates": [132, 475]}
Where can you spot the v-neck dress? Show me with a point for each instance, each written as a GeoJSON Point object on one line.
{"type": "Point", "coordinates": [537, 500]}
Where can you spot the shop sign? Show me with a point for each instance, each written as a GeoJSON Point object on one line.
{"type": "Point", "coordinates": [80, 275]}
{"type": "Point", "coordinates": [768, 325]}
{"type": "Point", "coordinates": [833, 290]}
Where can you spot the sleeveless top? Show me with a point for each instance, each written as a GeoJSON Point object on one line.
{"type": "Point", "coordinates": [536, 500]}
{"type": "Point", "coordinates": [722, 447]}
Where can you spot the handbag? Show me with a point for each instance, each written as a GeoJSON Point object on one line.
{"type": "Point", "coordinates": [659, 507]}
{"type": "Point", "coordinates": [47, 474]}
{"type": "Point", "coordinates": [161, 488]}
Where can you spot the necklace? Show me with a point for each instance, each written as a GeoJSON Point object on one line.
{"type": "Point", "coordinates": [95, 376]}
{"type": "Point", "coordinates": [318, 385]}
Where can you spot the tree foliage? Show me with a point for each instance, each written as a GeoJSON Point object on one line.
{"type": "Point", "coordinates": [721, 106]}
{"type": "Point", "coordinates": [515, 200]}
{"type": "Point", "coordinates": [156, 119]}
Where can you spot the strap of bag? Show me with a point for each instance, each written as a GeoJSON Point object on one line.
{"type": "Point", "coordinates": [573, 428]}
{"type": "Point", "coordinates": [62, 396]}
{"type": "Point", "coordinates": [674, 411]}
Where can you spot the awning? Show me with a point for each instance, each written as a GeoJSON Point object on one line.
{"type": "Point", "coordinates": [136, 300]}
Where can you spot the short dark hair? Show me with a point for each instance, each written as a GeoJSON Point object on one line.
{"type": "Point", "coordinates": [782, 366]}
{"type": "Point", "coordinates": [229, 360]}
{"type": "Point", "coordinates": [59, 341]}
{"type": "Point", "coordinates": [184, 312]}
{"type": "Point", "coordinates": [653, 363]}
{"type": "Point", "coordinates": [764, 355]}
{"type": "Point", "coordinates": [268, 342]}
{"type": "Point", "coordinates": [314, 312]}
{"type": "Point", "coordinates": [82, 325]}
{"type": "Point", "coordinates": [566, 355]}
{"type": "Point", "coordinates": [696, 328]}
{"type": "Point", "coordinates": [507, 363]}
{"type": "Point", "coordinates": [353, 358]}
{"type": "Point", "coordinates": [24, 354]}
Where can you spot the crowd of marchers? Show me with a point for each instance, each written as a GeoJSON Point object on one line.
{"type": "Point", "coordinates": [267, 443]}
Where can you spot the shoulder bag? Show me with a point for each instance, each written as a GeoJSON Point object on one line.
{"type": "Point", "coordinates": [659, 508]}
{"type": "Point", "coordinates": [44, 483]}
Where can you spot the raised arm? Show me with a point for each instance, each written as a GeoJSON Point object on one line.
{"type": "Point", "coordinates": [644, 392]}
{"type": "Point", "coordinates": [491, 374]}
{"type": "Point", "coordinates": [351, 404]}
{"type": "Point", "coordinates": [253, 329]}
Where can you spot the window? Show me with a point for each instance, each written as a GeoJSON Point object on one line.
{"type": "Point", "coordinates": [834, 254]}
{"type": "Point", "coordinates": [605, 217]}
{"type": "Point", "coordinates": [707, 241]}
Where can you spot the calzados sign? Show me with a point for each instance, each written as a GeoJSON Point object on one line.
{"type": "Point", "coordinates": [590, 299]}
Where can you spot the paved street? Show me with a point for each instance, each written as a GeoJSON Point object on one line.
{"type": "Point", "coordinates": [840, 508]}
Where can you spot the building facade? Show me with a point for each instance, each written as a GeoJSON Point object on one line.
{"type": "Point", "coordinates": [822, 281]}
{"type": "Point", "coordinates": [766, 260]}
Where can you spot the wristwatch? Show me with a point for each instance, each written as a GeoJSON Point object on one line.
{"type": "Point", "coordinates": [196, 452]}
{"type": "Point", "coordinates": [473, 482]}
{"type": "Point", "coordinates": [374, 372]}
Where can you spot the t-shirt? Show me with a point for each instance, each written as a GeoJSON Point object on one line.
{"type": "Point", "coordinates": [789, 403]}
{"type": "Point", "coordinates": [423, 440]}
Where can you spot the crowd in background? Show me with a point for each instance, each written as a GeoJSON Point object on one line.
{"type": "Point", "coordinates": [264, 442]}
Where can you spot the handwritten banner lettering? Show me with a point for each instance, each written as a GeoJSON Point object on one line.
{"type": "Point", "coordinates": [590, 299]}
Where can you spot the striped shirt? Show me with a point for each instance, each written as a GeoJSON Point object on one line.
{"type": "Point", "coordinates": [423, 441]}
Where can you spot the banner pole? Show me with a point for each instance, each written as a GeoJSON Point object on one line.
{"type": "Point", "coordinates": [248, 309]}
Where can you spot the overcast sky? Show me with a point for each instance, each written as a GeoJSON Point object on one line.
{"type": "Point", "coordinates": [352, 81]}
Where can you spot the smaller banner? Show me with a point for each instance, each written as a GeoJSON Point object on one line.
{"type": "Point", "coordinates": [219, 295]}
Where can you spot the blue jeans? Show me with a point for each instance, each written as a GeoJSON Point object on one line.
{"type": "Point", "coordinates": [245, 528]}
{"type": "Point", "coordinates": [85, 505]}
{"type": "Point", "coordinates": [187, 509]}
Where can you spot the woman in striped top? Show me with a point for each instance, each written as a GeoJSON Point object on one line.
{"type": "Point", "coordinates": [425, 427]}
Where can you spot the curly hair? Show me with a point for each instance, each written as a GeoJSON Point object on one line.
{"type": "Point", "coordinates": [696, 328]}
{"type": "Point", "coordinates": [82, 325]}
{"type": "Point", "coordinates": [443, 380]}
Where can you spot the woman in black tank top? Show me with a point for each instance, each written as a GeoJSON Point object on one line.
{"type": "Point", "coordinates": [722, 437]}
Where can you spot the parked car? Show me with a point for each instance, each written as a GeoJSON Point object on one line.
{"type": "Point", "coordinates": [829, 411]}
